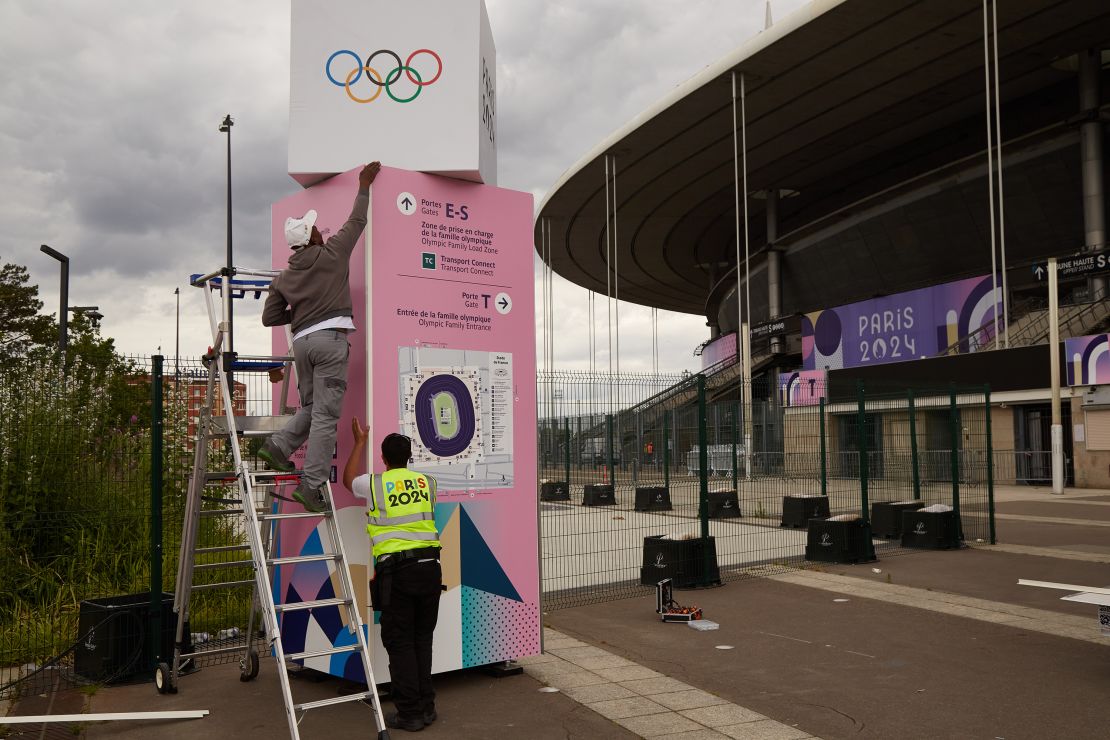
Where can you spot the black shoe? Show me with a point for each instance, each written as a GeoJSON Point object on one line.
{"type": "Point", "coordinates": [312, 499]}
{"type": "Point", "coordinates": [430, 717]}
{"type": "Point", "coordinates": [272, 457]}
{"type": "Point", "coordinates": [409, 724]}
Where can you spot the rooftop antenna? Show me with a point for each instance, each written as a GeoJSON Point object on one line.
{"type": "Point", "coordinates": [767, 22]}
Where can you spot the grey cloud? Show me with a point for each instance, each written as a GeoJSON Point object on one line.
{"type": "Point", "coordinates": [109, 148]}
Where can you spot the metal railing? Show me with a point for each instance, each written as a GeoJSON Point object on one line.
{"type": "Point", "coordinates": [91, 507]}
{"type": "Point", "coordinates": [869, 444]}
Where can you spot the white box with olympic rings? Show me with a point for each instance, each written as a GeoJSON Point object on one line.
{"type": "Point", "coordinates": [412, 84]}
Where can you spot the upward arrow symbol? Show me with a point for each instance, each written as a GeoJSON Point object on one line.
{"type": "Point", "coordinates": [1039, 272]}
{"type": "Point", "coordinates": [406, 203]}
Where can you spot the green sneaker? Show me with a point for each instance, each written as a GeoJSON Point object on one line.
{"type": "Point", "coordinates": [270, 455]}
{"type": "Point", "coordinates": [311, 499]}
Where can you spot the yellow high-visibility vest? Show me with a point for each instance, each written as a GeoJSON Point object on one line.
{"type": "Point", "coordinates": [403, 513]}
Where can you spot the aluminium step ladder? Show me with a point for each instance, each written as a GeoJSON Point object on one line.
{"type": "Point", "coordinates": [253, 517]}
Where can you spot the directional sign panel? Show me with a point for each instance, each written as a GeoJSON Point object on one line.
{"type": "Point", "coordinates": [1083, 265]}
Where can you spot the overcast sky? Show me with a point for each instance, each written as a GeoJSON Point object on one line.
{"type": "Point", "coordinates": [110, 153]}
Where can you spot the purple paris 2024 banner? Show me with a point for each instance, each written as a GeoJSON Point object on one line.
{"type": "Point", "coordinates": [1088, 359]}
{"type": "Point", "coordinates": [802, 387]}
{"type": "Point", "coordinates": [959, 316]}
{"type": "Point", "coordinates": [719, 350]}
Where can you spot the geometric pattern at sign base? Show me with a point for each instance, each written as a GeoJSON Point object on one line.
{"type": "Point", "coordinates": [496, 629]}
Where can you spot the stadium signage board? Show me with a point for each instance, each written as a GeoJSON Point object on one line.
{"type": "Point", "coordinates": [444, 352]}
{"type": "Point", "coordinates": [1079, 266]}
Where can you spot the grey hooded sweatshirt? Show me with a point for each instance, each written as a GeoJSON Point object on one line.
{"type": "Point", "coordinates": [314, 287]}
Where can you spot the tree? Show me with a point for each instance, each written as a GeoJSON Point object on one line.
{"type": "Point", "coordinates": [22, 327]}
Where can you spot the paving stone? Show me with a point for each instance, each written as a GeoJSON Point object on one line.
{"type": "Point", "coordinates": [721, 714]}
{"type": "Point", "coordinates": [571, 653]}
{"type": "Point", "coordinates": [649, 686]}
{"type": "Point", "coordinates": [659, 725]}
{"type": "Point", "coordinates": [536, 659]}
{"type": "Point", "coordinates": [766, 729]}
{"type": "Point", "coordinates": [636, 706]}
{"type": "Point", "coordinates": [689, 699]}
{"type": "Point", "coordinates": [587, 694]}
{"type": "Point", "coordinates": [575, 679]}
{"type": "Point", "coordinates": [563, 643]}
{"type": "Point", "coordinates": [703, 734]}
{"type": "Point", "coordinates": [626, 673]}
{"type": "Point", "coordinates": [593, 662]}
{"type": "Point", "coordinates": [545, 671]}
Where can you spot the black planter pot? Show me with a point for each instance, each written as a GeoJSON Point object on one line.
{"type": "Point", "coordinates": [599, 494]}
{"type": "Point", "coordinates": [683, 561]}
{"type": "Point", "coordinates": [724, 505]}
{"type": "Point", "coordinates": [555, 491]}
{"type": "Point", "coordinates": [798, 510]}
{"type": "Point", "coordinates": [886, 517]}
{"type": "Point", "coordinates": [653, 498]}
{"type": "Point", "coordinates": [839, 541]}
{"type": "Point", "coordinates": [932, 530]}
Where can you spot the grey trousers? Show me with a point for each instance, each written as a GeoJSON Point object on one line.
{"type": "Point", "coordinates": [321, 359]}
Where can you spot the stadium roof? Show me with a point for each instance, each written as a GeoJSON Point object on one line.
{"type": "Point", "coordinates": [848, 101]}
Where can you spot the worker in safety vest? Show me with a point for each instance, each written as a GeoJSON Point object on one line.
{"type": "Point", "coordinates": [407, 582]}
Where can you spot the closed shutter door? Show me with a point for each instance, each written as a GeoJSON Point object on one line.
{"type": "Point", "coordinates": [1098, 429]}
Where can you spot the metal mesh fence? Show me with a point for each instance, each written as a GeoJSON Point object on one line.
{"type": "Point", "coordinates": [632, 464]}
{"type": "Point", "coordinates": [90, 523]}
{"type": "Point", "coordinates": [85, 590]}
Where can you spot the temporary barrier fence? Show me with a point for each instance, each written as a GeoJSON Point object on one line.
{"type": "Point", "coordinates": [857, 446]}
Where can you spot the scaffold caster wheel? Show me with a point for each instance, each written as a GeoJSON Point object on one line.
{"type": "Point", "coordinates": [163, 680]}
{"type": "Point", "coordinates": [248, 666]}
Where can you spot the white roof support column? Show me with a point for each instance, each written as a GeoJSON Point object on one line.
{"type": "Point", "coordinates": [1090, 143]}
{"type": "Point", "coordinates": [774, 266]}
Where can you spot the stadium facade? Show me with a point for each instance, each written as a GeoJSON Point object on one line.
{"type": "Point", "coordinates": [894, 155]}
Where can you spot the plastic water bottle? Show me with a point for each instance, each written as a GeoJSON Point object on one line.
{"type": "Point", "coordinates": [228, 633]}
{"type": "Point", "coordinates": [199, 638]}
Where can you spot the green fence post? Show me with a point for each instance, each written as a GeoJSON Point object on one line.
{"type": "Point", "coordinates": [913, 446]}
{"type": "Point", "coordinates": [154, 637]}
{"type": "Point", "coordinates": [566, 450]}
{"type": "Point", "coordinates": [609, 452]}
{"type": "Point", "coordinates": [824, 464]}
{"type": "Point", "coordinates": [954, 426]}
{"type": "Point", "coordinates": [990, 464]}
{"type": "Point", "coordinates": [578, 423]}
{"type": "Point", "coordinates": [666, 452]}
{"type": "Point", "coordinates": [864, 463]}
{"type": "Point", "coordinates": [703, 480]}
{"type": "Point", "coordinates": [735, 465]}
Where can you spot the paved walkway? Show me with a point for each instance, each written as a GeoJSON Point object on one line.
{"type": "Point", "coordinates": [934, 644]}
{"type": "Point", "coordinates": [654, 705]}
{"type": "Point", "coordinates": [644, 701]}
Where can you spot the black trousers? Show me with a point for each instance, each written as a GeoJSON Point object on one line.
{"type": "Point", "coordinates": [408, 620]}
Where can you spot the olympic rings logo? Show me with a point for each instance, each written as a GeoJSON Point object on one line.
{"type": "Point", "coordinates": [374, 77]}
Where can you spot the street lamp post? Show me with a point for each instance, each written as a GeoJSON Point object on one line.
{"type": "Point", "coordinates": [225, 127]}
{"type": "Point", "coordinates": [177, 339]}
{"type": "Point", "coordinates": [63, 313]}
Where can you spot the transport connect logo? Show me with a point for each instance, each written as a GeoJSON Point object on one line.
{"type": "Point", "coordinates": [346, 69]}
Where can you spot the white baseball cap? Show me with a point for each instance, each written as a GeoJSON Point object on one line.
{"type": "Point", "coordinates": [299, 230]}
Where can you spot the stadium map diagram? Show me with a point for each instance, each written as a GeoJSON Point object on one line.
{"type": "Point", "coordinates": [456, 405]}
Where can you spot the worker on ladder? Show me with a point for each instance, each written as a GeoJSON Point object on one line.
{"type": "Point", "coordinates": [408, 579]}
{"type": "Point", "coordinates": [314, 295]}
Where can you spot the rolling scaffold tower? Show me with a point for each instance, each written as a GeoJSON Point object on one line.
{"type": "Point", "coordinates": [255, 518]}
